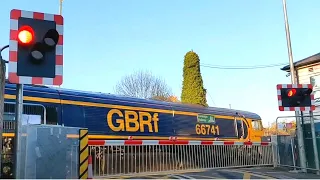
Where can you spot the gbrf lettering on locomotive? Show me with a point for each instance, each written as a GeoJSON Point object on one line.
{"type": "Point", "coordinates": [132, 121]}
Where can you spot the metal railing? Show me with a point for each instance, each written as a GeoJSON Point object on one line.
{"type": "Point", "coordinates": [28, 108]}
{"type": "Point", "coordinates": [287, 147]}
{"type": "Point", "coordinates": [122, 157]}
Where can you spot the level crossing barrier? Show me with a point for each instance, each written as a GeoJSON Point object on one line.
{"type": "Point", "coordinates": [123, 157]}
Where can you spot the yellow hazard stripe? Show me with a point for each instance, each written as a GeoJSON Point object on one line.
{"type": "Point", "coordinates": [83, 153]}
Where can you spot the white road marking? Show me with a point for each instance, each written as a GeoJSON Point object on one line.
{"type": "Point", "coordinates": [181, 176]}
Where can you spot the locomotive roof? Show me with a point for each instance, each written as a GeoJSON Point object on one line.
{"type": "Point", "coordinates": [100, 95]}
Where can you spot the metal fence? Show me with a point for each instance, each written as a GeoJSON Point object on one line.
{"type": "Point", "coordinates": [287, 145]}
{"type": "Point", "coordinates": [287, 151]}
{"type": "Point", "coordinates": [46, 152]}
{"type": "Point", "coordinates": [8, 130]}
{"type": "Point", "coordinates": [119, 157]}
{"type": "Point", "coordinates": [28, 109]}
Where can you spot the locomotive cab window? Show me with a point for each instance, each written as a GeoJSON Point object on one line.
{"type": "Point", "coordinates": [52, 115]}
{"type": "Point", "coordinates": [257, 125]}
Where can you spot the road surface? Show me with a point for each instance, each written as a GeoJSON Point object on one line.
{"type": "Point", "coordinates": [239, 173]}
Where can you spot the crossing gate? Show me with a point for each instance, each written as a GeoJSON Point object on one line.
{"type": "Point", "coordinates": [122, 157]}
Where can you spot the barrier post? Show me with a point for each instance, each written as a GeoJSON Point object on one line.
{"type": "Point", "coordinates": [83, 153]}
{"type": "Point", "coordinates": [275, 151]}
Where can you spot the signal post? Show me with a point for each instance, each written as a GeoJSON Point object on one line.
{"type": "Point", "coordinates": [35, 57]}
{"type": "Point", "coordinates": [299, 97]}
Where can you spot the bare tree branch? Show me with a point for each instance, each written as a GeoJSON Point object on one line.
{"type": "Point", "coordinates": [143, 84]}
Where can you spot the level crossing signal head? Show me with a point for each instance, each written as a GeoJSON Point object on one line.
{"type": "Point", "coordinates": [36, 48]}
{"type": "Point", "coordinates": [25, 35]}
{"type": "Point", "coordinates": [295, 97]}
{"type": "Point", "coordinates": [291, 92]}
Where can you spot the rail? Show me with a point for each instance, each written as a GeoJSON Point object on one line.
{"type": "Point", "coordinates": [123, 157]}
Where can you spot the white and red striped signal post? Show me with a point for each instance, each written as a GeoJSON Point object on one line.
{"type": "Point", "coordinates": [36, 48]}
{"type": "Point", "coordinates": [299, 97]}
{"type": "Point", "coordinates": [295, 97]}
{"type": "Point", "coordinates": [35, 57]}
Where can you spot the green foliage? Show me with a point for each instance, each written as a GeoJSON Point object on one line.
{"type": "Point", "coordinates": [193, 91]}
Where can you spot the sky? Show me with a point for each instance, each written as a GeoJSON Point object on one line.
{"type": "Point", "coordinates": [105, 40]}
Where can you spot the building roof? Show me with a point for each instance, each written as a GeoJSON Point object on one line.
{"type": "Point", "coordinates": [304, 62]}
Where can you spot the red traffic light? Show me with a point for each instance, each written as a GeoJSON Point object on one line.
{"type": "Point", "coordinates": [291, 92]}
{"type": "Point", "coordinates": [25, 35]}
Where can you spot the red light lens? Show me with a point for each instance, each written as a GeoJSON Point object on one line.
{"type": "Point", "coordinates": [25, 35]}
{"type": "Point", "coordinates": [292, 92]}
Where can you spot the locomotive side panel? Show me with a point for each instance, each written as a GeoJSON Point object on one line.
{"type": "Point", "coordinates": [206, 126]}
{"type": "Point", "coordinates": [73, 115]}
{"type": "Point", "coordinates": [114, 116]}
{"type": "Point", "coordinates": [124, 122]}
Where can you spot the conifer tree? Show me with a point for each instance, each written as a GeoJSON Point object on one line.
{"type": "Point", "coordinates": [193, 91]}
